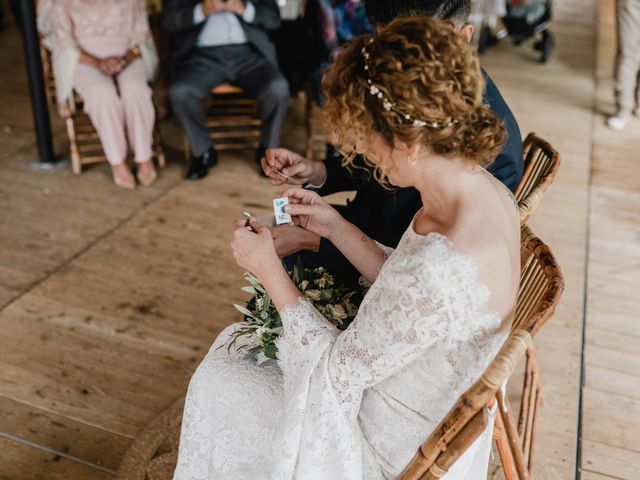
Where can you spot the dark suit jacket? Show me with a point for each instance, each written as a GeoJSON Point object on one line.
{"type": "Point", "coordinates": [385, 215]}
{"type": "Point", "coordinates": [178, 22]}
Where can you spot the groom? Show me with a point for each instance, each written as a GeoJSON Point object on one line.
{"type": "Point", "coordinates": [383, 215]}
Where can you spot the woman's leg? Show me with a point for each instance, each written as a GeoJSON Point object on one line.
{"type": "Point", "coordinates": [138, 108]}
{"type": "Point", "coordinates": [103, 105]}
{"type": "Point", "coordinates": [231, 413]}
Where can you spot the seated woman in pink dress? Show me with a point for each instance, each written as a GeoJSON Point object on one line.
{"type": "Point", "coordinates": [103, 49]}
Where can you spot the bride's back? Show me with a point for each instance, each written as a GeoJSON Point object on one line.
{"type": "Point", "coordinates": [487, 228]}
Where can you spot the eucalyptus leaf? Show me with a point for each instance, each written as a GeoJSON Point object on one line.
{"type": "Point", "coordinates": [244, 311]}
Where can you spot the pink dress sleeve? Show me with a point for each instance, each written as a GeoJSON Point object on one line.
{"type": "Point", "coordinates": [61, 26]}
{"type": "Point", "coordinates": [140, 27]}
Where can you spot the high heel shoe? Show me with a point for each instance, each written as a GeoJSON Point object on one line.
{"type": "Point", "coordinates": [148, 176]}
{"type": "Point", "coordinates": [126, 181]}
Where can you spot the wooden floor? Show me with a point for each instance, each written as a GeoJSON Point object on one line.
{"type": "Point", "coordinates": [108, 298]}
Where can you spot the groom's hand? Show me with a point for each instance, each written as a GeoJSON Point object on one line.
{"type": "Point", "coordinates": [300, 170]}
{"type": "Point", "coordinates": [290, 239]}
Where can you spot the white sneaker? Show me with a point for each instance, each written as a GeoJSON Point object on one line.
{"type": "Point", "coordinates": [618, 122]}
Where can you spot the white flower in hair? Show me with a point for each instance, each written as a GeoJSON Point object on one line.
{"type": "Point", "coordinates": [387, 105]}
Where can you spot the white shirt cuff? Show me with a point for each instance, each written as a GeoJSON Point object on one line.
{"type": "Point", "coordinates": [316, 187]}
{"type": "Point", "coordinates": [249, 12]}
{"type": "Point", "coordinates": [198, 14]}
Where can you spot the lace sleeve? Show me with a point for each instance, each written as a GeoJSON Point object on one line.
{"type": "Point", "coordinates": [403, 314]}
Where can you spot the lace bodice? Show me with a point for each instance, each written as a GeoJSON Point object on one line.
{"type": "Point", "coordinates": [354, 404]}
{"type": "Point", "coordinates": [76, 20]}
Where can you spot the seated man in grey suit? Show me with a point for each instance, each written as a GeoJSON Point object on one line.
{"type": "Point", "coordinates": [223, 41]}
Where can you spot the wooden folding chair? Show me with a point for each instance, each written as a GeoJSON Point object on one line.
{"type": "Point", "coordinates": [541, 285]}
{"type": "Point", "coordinates": [84, 143]}
{"type": "Point", "coordinates": [232, 120]}
{"type": "Point", "coordinates": [541, 163]}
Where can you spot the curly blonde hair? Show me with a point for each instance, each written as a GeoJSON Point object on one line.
{"type": "Point", "coordinates": [426, 70]}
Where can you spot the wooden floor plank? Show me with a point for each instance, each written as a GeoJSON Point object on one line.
{"type": "Point", "coordinates": [28, 463]}
{"type": "Point", "coordinates": [611, 395]}
{"type": "Point", "coordinates": [62, 434]}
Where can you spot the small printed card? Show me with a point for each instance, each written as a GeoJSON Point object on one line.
{"type": "Point", "coordinates": [278, 208]}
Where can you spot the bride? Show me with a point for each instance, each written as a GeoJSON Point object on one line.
{"type": "Point", "coordinates": [357, 404]}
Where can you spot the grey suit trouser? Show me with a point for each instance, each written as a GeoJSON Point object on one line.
{"type": "Point", "coordinates": [628, 67]}
{"type": "Point", "coordinates": [239, 65]}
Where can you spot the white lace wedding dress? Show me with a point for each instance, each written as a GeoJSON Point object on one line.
{"type": "Point", "coordinates": [355, 404]}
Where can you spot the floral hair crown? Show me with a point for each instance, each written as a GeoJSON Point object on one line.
{"type": "Point", "coordinates": [390, 106]}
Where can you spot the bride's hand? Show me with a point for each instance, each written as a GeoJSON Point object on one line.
{"type": "Point", "coordinates": [254, 250]}
{"type": "Point", "coordinates": [312, 212]}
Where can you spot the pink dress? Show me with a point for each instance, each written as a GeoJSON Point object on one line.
{"type": "Point", "coordinates": [118, 106]}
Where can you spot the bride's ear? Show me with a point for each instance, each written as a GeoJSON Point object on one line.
{"type": "Point", "coordinates": [409, 151]}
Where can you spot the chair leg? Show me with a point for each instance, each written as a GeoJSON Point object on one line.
{"type": "Point", "coordinates": [511, 436]}
{"type": "Point", "coordinates": [76, 162]}
{"type": "Point", "coordinates": [531, 400]}
{"type": "Point", "coordinates": [158, 151]}
{"type": "Point", "coordinates": [506, 456]}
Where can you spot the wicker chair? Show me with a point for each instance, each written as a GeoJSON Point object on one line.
{"type": "Point", "coordinates": [541, 163]}
{"type": "Point", "coordinates": [541, 285]}
{"type": "Point", "coordinates": [232, 120]}
{"type": "Point", "coordinates": [84, 142]}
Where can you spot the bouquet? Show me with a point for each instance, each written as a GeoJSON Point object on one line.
{"type": "Point", "coordinates": [262, 324]}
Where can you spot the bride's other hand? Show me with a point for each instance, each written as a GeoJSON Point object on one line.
{"type": "Point", "coordinates": [310, 211]}
{"type": "Point", "coordinates": [254, 250]}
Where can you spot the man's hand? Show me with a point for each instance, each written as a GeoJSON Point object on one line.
{"type": "Point", "coordinates": [300, 170]}
{"type": "Point", "coordinates": [290, 239]}
{"type": "Point", "coordinates": [235, 6]}
{"type": "Point", "coordinates": [210, 7]}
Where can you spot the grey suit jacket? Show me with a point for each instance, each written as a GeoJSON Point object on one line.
{"type": "Point", "coordinates": [178, 22]}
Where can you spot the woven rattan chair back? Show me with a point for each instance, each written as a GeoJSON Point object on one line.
{"type": "Point", "coordinates": [541, 285]}
{"type": "Point", "coordinates": [541, 163]}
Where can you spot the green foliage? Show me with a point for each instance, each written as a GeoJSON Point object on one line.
{"type": "Point", "coordinates": [262, 324]}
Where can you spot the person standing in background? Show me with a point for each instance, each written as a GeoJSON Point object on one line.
{"type": "Point", "coordinates": [628, 63]}
{"type": "Point", "coordinates": [217, 42]}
